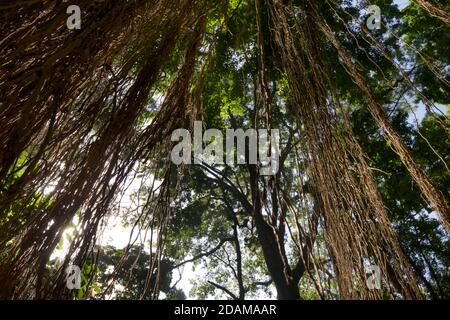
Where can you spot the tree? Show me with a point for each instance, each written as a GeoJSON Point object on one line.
{"type": "Point", "coordinates": [86, 115]}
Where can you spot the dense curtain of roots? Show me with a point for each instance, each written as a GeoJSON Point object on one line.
{"type": "Point", "coordinates": [70, 102]}
{"type": "Point", "coordinates": [436, 10]}
{"type": "Point", "coordinates": [88, 140]}
{"type": "Point", "coordinates": [354, 215]}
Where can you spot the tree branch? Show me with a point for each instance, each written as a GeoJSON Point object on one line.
{"type": "Point", "coordinates": [218, 286]}
{"type": "Point", "coordinates": [204, 254]}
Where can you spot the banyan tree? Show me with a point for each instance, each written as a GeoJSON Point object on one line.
{"type": "Point", "coordinates": [86, 112]}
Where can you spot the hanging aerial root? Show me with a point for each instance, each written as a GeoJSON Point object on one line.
{"type": "Point", "coordinates": [435, 10]}
{"type": "Point", "coordinates": [357, 227]}
{"type": "Point", "coordinates": [88, 170]}
{"type": "Point", "coordinates": [434, 196]}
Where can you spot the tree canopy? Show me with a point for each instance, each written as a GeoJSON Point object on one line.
{"type": "Point", "coordinates": [86, 123]}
